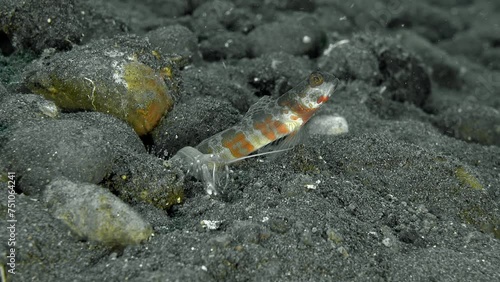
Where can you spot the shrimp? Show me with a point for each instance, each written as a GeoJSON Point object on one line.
{"type": "Point", "coordinates": [266, 121]}
{"type": "Point", "coordinates": [204, 167]}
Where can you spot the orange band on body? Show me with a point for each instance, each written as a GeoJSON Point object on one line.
{"type": "Point", "coordinates": [280, 127]}
{"type": "Point", "coordinates": [265, 129]}
{"type": "Point", "coordinates": [238, 145]}
{"type": "Point", "coordinates": [303, 112]}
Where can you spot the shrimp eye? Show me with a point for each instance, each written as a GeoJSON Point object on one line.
{"type": "Point", "coordinates": [315, 79]}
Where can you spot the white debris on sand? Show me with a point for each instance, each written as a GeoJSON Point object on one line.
{"type": "Point", "coordinates": [328, 125]}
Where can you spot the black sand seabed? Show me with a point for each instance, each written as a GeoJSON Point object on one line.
{"type": "Point", "coordinates": [410, 193]}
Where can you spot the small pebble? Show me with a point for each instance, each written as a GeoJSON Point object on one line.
{"type": "Point", "coordinates": [93, 213]}
{"type": "Point", "coordinates": [328, 125]}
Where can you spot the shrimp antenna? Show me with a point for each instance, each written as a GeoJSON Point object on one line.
{"type": "Point", "coordinates": [257, 155]}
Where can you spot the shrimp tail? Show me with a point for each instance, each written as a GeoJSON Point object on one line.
{"type": "Point", "coordinates": [204, 167]}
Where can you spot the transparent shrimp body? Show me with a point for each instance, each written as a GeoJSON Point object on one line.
{"type": "Point", "coordinates": [204, 167]}
{"type": "Point", "coordinates": [266, 121]}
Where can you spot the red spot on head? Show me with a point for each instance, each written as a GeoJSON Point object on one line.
{"type": "Point", "coordinates": [322, 99]}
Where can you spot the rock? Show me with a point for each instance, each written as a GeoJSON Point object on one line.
{"type": "Point", "coordinates": [471, 123]}
{"type": "Point", "coordinates": [40, 237]}
{"type": "Point", "coordinates": [224, 45]}
{"type": "Point", "coordinates": [295, 34]}
{"type": "Point", "coordinates": [445, 70]}
{"type": "Point", "coordinates": [351, 59]}
{"type": "Point", "coordinates": [332, 19]}
{"type": "Point", "coordinates": [402, 73]}
{"type": "Point", "coordinates": [175, 40]}
{"type": "Point", "coordinates": [212, 17]}
{"type": "Point", "coordinates": [431, 22]}
{"type": "Point", "coordinates": [484, 86]}
{"type": "Point", "coordinates": [119, 76]}
{"type": "Point", "coordinates": [379, 61]}
{"type": "Point", "coordinates": [210, 224]}
{"type": "Point", "coordinates": [479, 43]}
{"type": "Point", "coordinates": [328, 125]}
{"type": "Point", "coordinates": [93, 213]}
{"type": "Point", "coordinates": [191, 122]}
{"type": "Point", "coordinates": [88, 147]}
{"type": "Point", "coordinates": [221, 81]}
{"type": "Point", "coordinates": [295, 5]}
{"type": "Point", "coordinates": [136, 178]}
{"type": "Point", "coordinates": [39, 25]}
{"type": "Point", "coordinates": [274, 74]}
{"type": "Point", "coordinates": [121, 138]}
{"type": "Point", "coordinates": [22, 108]}
{"type": "Point", "coordinates": [464, 44]}
{"type": "Point", "coordinates": [262, 7]}
{"type": "Point", "coordinates": [104, 19]}
{"type": "Point", "coordinates": [167, 8]}
{"type": "Point", "coordinates": [36, 25]}
{"type": "Point", "coordinates": [40, 151]}
{"type": "Point", "coordinates": [452, 3]}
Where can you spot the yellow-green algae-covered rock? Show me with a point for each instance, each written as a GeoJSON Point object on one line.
{"type": "Point", "coordinates": [144, 178]}
{"type": "Point", "coordinates": [93, 213]}
{"type": "Point", "coordinates": [122, 76]}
